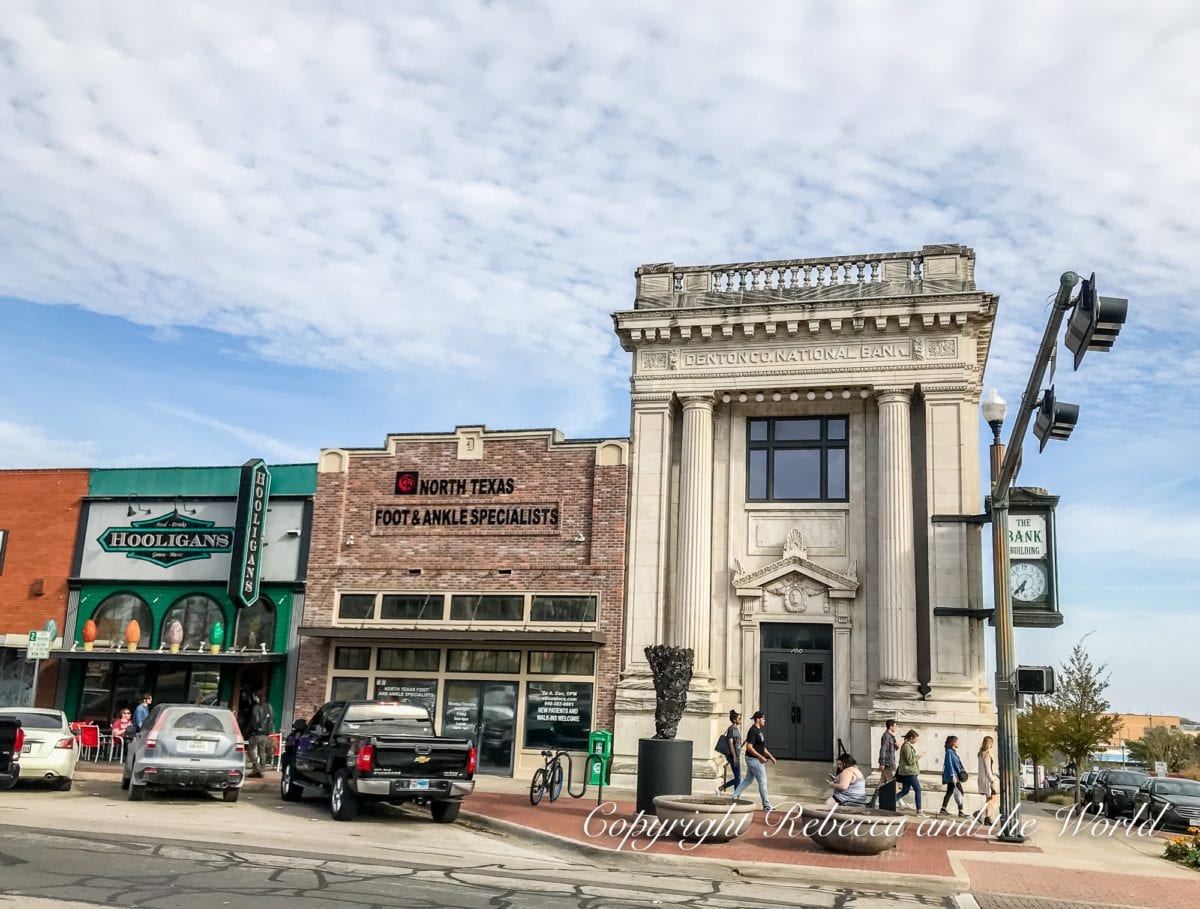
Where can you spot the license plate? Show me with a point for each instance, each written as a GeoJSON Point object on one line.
{"type": "Point", "coordinates": [203, 747]}
{"type": "Point", "coordinates": [27, 748]}
{"type": "Point", "coordinates": [418, 784]}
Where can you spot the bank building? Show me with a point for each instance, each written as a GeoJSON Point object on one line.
{"type": "Point", "coordinates": [795, 425]}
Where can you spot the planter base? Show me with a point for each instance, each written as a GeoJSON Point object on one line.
{"type": "Point", "coordinates": [664, 767]}
{"type": "Point", "coordinates": [705, 817]}
{"type": "Point", "coordinates": [854, 830]}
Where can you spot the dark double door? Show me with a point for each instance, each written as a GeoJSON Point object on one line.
{"type": "Point", "coordinates": [797, 697]}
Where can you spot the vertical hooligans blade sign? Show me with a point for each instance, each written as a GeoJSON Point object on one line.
{"type": "Point", "coordinates": [253, 493]}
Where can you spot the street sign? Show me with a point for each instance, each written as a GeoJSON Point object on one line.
{"type": "Point", "coordinates": [38, 647]}
{"type": "Point", "coordinates": [1160, 768]}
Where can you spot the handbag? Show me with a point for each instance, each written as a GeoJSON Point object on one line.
{"type": "Point", "coordinates": [722, 746]}
{"type": "Point", "coordinates": [963, 776]}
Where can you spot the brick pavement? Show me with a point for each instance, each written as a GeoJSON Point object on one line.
{"type": "Point", "coordinates": [1011, 885]}
{"type": "Point", "coordinates": [917, 855]}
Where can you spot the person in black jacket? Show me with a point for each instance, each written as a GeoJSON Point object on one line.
{"type": "Point", "coordinates": [262, 724]}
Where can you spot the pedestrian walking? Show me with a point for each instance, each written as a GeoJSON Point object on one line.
{"type": "Point", "coordinates": [888, 747]}
{"type": "Point", "coordinates": [989, 781]}
{"type": "Point", "coordinates": [142, 711]}
{"type": "Point", "coordinates": [908, 769]}
{"type": "Point", "coordinates": [730, 745]}
{"type": "Point", "coordinates": [953, 775]}
{"type": "Point", "coordinates": [262, 724]}
{"type": "Point", "coordinates": [757, 756]}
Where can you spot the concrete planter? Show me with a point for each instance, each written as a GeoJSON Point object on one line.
{"type": "Point", "coordinates": [707, 817]}
{"type": "Point", "coordinates": [854, 829]}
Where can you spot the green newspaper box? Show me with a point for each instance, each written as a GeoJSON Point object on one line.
{"type": "Point", "coordinates": [599, 743]}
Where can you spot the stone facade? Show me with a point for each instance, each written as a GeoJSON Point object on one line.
{"type": "Point", "coordinates": [886, 353]}
{"type": "Point", "coordinates": [451, 516]}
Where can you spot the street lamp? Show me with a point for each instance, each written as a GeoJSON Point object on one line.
{"type": "Point", "coordinates": [994, 410]}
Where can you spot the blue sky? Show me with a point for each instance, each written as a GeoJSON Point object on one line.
{"type": "Point", "coordinates": [233, 230]}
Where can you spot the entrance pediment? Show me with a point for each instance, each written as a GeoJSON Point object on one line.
{"type": "Point", "coordinates": [786, 575]}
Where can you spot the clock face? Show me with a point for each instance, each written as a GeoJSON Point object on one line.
{"type": "Point", "coordinates": [1028, 581]}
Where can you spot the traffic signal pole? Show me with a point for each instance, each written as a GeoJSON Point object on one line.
{"type": "Point", "coordinates": [1004, 463]}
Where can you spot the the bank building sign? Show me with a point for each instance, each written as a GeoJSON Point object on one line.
{"type": "Point", "coordinates": [168, 539]}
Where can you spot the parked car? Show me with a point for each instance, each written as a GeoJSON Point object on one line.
{"type": "Point", "coordinates": [184, 746]}
{"type": "Point", "coordinates": [50, 750]}
{"type": "Point", "coordinates": [377, 750]}
{"type": "Point", "coordinates": [1178, 801]}
{"type": "Point", "coordinates": [1085, 786]}
{"type": "Point", "coordinates": [1114, 791]}
{"type": "Point", "coordinates": [12, 740]}
{"type": "Point", "coordinates": [1064, 782]}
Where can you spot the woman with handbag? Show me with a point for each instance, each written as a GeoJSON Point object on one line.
{"type": "Point", "coordinates": [989, 781]}
{"type": "Point", "coordinates": [730, 745]}
{"type": "Point", "coordinates": [953, 775]}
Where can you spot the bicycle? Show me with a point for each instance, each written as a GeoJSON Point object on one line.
{"type": "Point", "coordinates": [548, 779]}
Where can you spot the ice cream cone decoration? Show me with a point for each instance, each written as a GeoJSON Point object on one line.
{"type": "Point", "coordinates": [133, 634]}
{"type": "Point", "coordinates": [173, 636]}
{"type": "Point", "coordinates": [216, 635]}
{"type": "Point", "coordinates": [89, 634]}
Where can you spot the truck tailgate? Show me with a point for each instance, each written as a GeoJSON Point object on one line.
{"type": "Point", "coordinates": [422, 757]}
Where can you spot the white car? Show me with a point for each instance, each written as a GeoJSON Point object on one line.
{"type": "Point", "coordinates": [50, 752]}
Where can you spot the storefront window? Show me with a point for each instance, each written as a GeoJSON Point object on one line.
{"type": "Point", "coordinates": [256, 625]}
{"type": "Point", "coordinates": [546, 662]}
{"type": "Point", "coordinates": [563, 609]}
{"type": "Point", "coordinates": [412, 606]}
{"type": "Point", "coordinates": [197, 614]}
{"type": "Point", "coordinates": [348, 689]}
{"type": "Point", "coordinates": [398, 659]}
{"type": "Point", "coordinates": [352, 658]}
{"type": "Point", "coordinates": [558, 715]}
{"type": "Point", "coordinates": [356, 606]}
{"type": "Point", "coordinates": [114, 615]}
{"type": "Point", "coordinates": [483, 661]}
{"type": "Point", "coordinates": [422, 692]}
{"type": "Point", "coordinates": [483, 608]}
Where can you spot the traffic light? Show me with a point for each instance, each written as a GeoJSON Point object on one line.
{"type": "Point", "coordinates": [1095, 322]}
{"type": "Point", "coordinates": [1035, 680]}
{"type": "Point", "coordinates": [1055, 419]}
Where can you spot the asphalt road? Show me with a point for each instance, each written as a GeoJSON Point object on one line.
{"type": "Point", "coordinates": [91, 847]}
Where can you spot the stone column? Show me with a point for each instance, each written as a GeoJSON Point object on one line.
{"type": "Point", "coordinates": [897, 576]}
{"type": "Point", "coordinates": [693, 606]}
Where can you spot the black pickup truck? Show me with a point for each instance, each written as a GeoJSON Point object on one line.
{"type": "Point", "coordinates": [12, 738]}
{"type": "Point", "coordinates": [377, 750]}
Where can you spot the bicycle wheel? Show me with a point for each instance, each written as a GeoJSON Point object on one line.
{"type": "Point", "coordinates": [537, 787]}
{"type": "Point", "coordinates": [556, 781]}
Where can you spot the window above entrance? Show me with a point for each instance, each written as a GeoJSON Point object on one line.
{"type": "Point", "coordinates": [797, 459]}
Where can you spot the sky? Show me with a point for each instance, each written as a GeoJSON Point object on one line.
{"type": "Point", "coordinates": [231, 230]}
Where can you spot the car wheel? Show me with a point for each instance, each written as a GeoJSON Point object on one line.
{"type": "Point", "coordinates": [1110, 809]}
{"type": "Point", "coordinates": [445, 812]}
{"type": "Point", "coordinates": [137, 793]}
{"type": "Point", "coordinates": [289, 789]}
{"type": "Point", "coordinates": [231, 795]}
{"type": "Point", "coordinates": [343, 803]}
{"type": "Point", "coordinates": [64, 784]}
{"type": "Point", "coordinates": [124, 781]}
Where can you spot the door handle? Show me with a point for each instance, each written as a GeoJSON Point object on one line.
{"type": "Point", "coordinates": [796, 713]}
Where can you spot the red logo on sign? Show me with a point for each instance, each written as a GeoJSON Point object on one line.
{"type": "Point", "coordinates": [406, 482]}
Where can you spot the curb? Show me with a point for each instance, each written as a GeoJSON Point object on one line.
{"type": "Point", "coordinates": [880, 881]}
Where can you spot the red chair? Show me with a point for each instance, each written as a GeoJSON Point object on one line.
{"type": "Point", "coordinates": [89, 740]}
{"type": "Point", "coordinates": [276, 748]}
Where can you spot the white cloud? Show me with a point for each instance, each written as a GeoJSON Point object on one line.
{"type": "Point", "coordinates": [466, 189]}
{"type": "Point", "coordinates": [28, 447]}
{"type": "Point", "coordinates": [256, 443]}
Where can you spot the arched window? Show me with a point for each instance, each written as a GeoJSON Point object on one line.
{"type": "Point", "coordinates": [114, 614]}
{"type": "Point", "coordinates": [256, 626]}
{"type": "Point", "coordinates": [196, 613]}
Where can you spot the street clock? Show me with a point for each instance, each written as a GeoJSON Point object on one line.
{"type": "Point", "coordinates": [1033, 566]}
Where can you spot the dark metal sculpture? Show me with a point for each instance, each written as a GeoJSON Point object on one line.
{"type": "Point", "coordinates": [671, 668]}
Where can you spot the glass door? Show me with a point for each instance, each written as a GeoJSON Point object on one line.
{"type": "Point", "coordinates": [485, 713]}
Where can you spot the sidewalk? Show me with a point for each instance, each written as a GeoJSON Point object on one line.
{"type": "Point", "coordinates": [1049, 871]}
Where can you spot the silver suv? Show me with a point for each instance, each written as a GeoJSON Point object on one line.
{"type": "Point", "coordinates": [186, 747]}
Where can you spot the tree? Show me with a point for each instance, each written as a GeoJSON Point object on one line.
{"type": "Point", "coordinates": [1035, 735]}
{"type": "Point", "coordinates": [1173, 746]}
{"type": "Point", "coordinates": [1083, 722]}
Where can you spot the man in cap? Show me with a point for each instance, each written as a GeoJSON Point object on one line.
{"type": "Point", "coordinates": [757, 756]}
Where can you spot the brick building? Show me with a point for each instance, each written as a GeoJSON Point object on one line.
{"type": "Point", "coordinates": [479, 573]}
{"type": "Point", "coordinates": [39, 515]}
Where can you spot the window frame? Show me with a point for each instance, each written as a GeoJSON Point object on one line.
{"type": "Point", "coordinates": [823, 445]}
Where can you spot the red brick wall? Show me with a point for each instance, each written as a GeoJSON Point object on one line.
{"type": "Point", "coordinates": [40, 511]}
{"type": "Point", "coordinates": [592, 502]}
